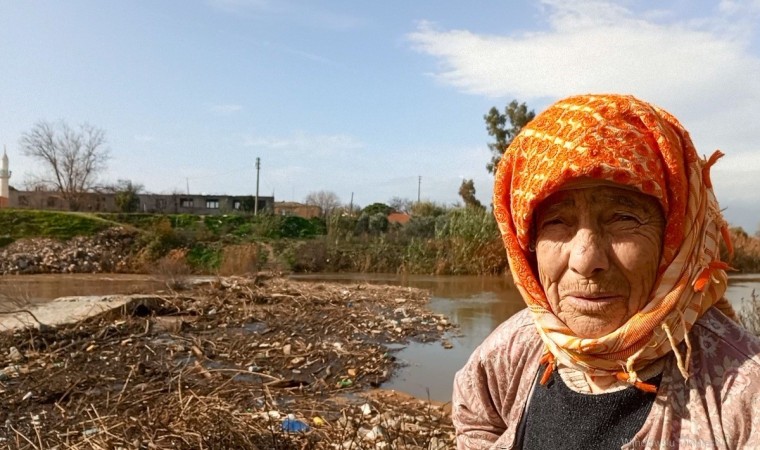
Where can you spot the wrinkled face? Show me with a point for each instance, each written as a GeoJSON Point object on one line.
{"type": "Point", "coordinates": [597, 251]}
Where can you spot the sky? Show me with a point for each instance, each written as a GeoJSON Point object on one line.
{"type": "Point", "coordinates": [369, 100]}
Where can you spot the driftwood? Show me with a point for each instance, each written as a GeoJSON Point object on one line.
{"type": "Point", "coordinates": [236, 363]}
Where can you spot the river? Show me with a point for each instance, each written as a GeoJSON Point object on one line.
{"type": "Point", "coordinates": [476, 304]}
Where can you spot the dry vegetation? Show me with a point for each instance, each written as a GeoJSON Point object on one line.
{"type": "Point", "coordinates": [746, 251]}
{"type": "Point", "coordinates": [237, 363]}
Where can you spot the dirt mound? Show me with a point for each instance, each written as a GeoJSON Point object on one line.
{"type": "Point", "coordinates": [235, 363]}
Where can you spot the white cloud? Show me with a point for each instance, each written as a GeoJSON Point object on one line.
{"type": "Point", "coordinates": [593, 46]}
{"type": "Point", "coordinates": [701, 69]}
{"type": "Point", "coordinates": [225, 108]}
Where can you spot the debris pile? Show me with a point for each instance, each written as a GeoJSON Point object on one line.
{"type": "Point", "coordinates": [262, 363]}
{"type": "Point", "coordinates": [107, 251]}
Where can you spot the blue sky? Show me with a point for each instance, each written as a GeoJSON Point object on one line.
{"type": "Point", "coordinates": [365, 97]}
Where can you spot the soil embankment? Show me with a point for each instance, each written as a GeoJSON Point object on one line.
{"type": "Point", "coordinates": [261, 363]}
{"type": "Point", "coordinates": [107, 251]}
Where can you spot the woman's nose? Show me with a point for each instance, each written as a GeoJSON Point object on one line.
{"type": "Point", "coordinates": [588, 256]}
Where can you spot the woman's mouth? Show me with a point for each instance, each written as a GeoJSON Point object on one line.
{"type": "Point", "coordinates": [591, 302]}
{"type": "Point", "coordinates": [593, 296]}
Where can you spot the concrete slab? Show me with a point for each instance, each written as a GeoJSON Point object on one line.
{"type": "Point", "coordinates": [65, 310]}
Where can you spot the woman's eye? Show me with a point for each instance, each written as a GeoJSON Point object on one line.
{"type": "Point", "coordinates": [553, 221]}
{"type": "Point", "coordinates": [622, 217]}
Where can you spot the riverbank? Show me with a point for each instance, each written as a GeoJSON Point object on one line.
{"type": "Point", "coordinates": [454, 241]}
{"type": "Point", "coordinates": [234, 363]}
{"type": "Point", "coordinates": [439, 241]}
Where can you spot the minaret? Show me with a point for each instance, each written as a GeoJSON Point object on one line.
{"type": "Point", "coordinates": [5, 175]}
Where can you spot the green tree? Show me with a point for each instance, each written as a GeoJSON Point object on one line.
{"type": "Point", "coordinates": [377, 208]}
{"type": "Point", "coordinates": [467, 192]}
{"type": "Point", "coordinates": [127, 195]}
{"type": "Point", "coordinates": [427, 208]}
{"type": "Point", "coordinates": [504, 127]}
{"type": "Point", "coordinates": [247, 203]}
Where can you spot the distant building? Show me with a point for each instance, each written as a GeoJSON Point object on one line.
{"type": "Point", "coordinates": [297, 209]}
{"type": "Point", "coordinates": [398, 217]}
{"type": "Point", "coordinates": [149, 203]}
{"type": "Point", "coordinates": [203, 204]}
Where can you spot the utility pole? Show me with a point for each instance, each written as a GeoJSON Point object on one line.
{"type": "Point", "coordinates": [187, 184]}
{"type": "Point", "coordinates": [256, 200]}
{"type": "Point", "coordinates": [351, 205]}
{"type": "Point", "coordinates": [419, 185]}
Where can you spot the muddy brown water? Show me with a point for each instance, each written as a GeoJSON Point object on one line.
{"type": "Point", "coordinates": [45, 287]}
{"type": "Point", "coordinates": [477, 304]}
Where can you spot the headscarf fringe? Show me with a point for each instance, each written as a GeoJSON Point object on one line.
{"type": "Point", "coordinates": [683, 366]}
{"type": "Point", "coordinates": [706, 275]}
{"type": "Point", "coordinates": [551, 362]}
{"type": "Point", "coordinates": [717, 154]}
{"type": "Point", "coordinates": [727, 239]}
{"type": "Point", "coordinates": [634, 380]}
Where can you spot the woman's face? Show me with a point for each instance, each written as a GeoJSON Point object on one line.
{"type": "Point", "coordinates": [597, 250]}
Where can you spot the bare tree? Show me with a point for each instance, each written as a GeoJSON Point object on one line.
{"type": "Point", "coordinates": [327, 200]}
{"type": "Point", "coordinates": [400, 204]}
{"type": "Point", "coordinates": [71, 159]}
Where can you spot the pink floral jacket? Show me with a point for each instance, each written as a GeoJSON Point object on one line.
{"type": "Point", "coordinates": [718, 407]}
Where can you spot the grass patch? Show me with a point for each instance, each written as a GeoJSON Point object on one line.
{"type": "Point", "coordinates": [17, 224]}
{"type": "Point", "coordinates": [142, 221]}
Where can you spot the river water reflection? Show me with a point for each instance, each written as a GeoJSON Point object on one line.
{"type": "Point", "coordinates": [476, 304]}
{"type": "Point", "coordinates": [45, 287]}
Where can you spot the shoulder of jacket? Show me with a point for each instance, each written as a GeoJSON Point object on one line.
{"type": "Point", "coordinates": [728, 337]}
{"type": "Point", "coordinates": [514, 336]}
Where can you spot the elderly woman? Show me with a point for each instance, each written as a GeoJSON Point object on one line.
{"type": "Point", "coordinates": [612, 233]}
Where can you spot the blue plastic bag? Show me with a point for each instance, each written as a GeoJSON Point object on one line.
{"type": "Point", "coordinates": [294, 426]}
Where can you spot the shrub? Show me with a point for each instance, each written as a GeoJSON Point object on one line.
{"type": "Point", "coordinates": [297, 227]}
{"type": "Point", "coordinates": [6, 240]}
{"type": "Point", "coordinates": [206, 258]}
{"type": "Point", "coordinates": [746, 251]}
{"type": "Point", "coordinates": [419, 227]}
{"type": "Point", "coordinates": [160, 238]}
{"type": "Point", "coordinates": [750, 315]}
{"type": "Point", "coordinates": [378, 223]}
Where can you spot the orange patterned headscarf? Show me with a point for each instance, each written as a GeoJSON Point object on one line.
{"type": "Point", "coordinates": [619, 139]}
